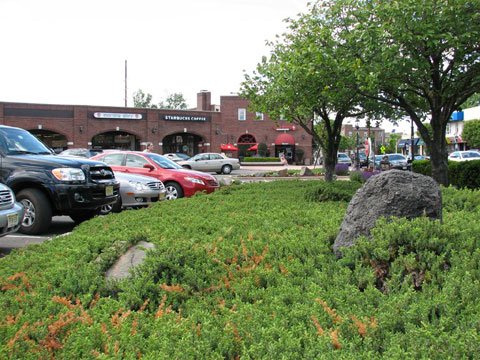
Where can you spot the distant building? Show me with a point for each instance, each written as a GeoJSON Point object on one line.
{"type": "Point", "coordinates": [207, 128]}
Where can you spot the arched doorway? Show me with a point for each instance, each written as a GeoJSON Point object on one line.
{"type": "Point", "coordinates": [116, 140]}
{"type": "Point", "coordinates": [53, 140]}
{"type": "Point", "coordinates": [244, 142]}
{"type": "Point", "coordinates": [285, 143]}
{"type": "Point", "coordinates": [185, 143]}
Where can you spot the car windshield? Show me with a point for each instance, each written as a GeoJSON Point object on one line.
{"type": "Point", "coordinates": [162, 161]}
{"type": "Point", "coordinates": [18, 141]}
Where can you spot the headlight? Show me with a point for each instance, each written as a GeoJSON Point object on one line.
{"type": "Point", "coordinates": [194, 180]}
{"type": "Point", "coordinates": [69, 174]}
{"type": "Point", "coordinates": [138, 185]}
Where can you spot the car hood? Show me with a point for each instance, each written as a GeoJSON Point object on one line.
{"type": "Point", "coordinates": [59, 161]}
{"type": "Point", "coordinates": [134, 177]}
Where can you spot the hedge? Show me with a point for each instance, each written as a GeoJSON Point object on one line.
{"type": "Point", "coordinates": [260, 159]}
{"type": "Point", "coordinates": [248, 272]}
{"type": "Point", "coordinates": [462, 174]}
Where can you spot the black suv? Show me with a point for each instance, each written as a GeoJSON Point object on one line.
{"type": "Point", "coordinates": [48, 185]}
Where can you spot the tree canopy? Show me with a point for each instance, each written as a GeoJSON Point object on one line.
{"type": "Point", "coordinates": [471, 133]}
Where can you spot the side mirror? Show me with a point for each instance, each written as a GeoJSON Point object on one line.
{"type": "Point", "coordinates": [149, 167]}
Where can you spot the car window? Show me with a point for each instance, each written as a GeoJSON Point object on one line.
{"type": "Point", "coordinates": [135, 161]}
{"type": "Point", "coordinates": [202, 157]}
{"type": "Point", "coordinates": [216, 157]}
{"type": "Point", "coordinates": [113, 159]}
{"type": "Point", "coordinates": [162, 161]}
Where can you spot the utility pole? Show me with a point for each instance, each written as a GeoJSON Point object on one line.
{"type": "Point", "coordinates": [126, 99]}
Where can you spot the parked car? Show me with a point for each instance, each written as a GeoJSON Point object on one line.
{"type": "Point", "coordinates": [11, 212]}
{"type": "Point", "coordinates": [48, 184]}
{"type": "Point", "coordinates": [212, 162]}
{"type": "Point", "coordinates": [343, 158]}
{"type": "Point", "coordinates": [397, 161]}
{"type": "Point", "coordinates": [467, 155]}
{"type": "Point", "coordinates": [82, 152]}
{"type": "Point", "coordinates": [136, 191]}
{"type": "Point", "coordinates": [178, 181]}
{"type": "Point", "coordinates": [421, 157]}
{"type": "Point", "coordinates": [177, 156]}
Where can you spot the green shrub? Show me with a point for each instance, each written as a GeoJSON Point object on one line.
{"type": "Point", "coordinates": [248, 272]}
{"type": "Point", "coordinates": [462, 174]}
{"type": "Point", "coordinates": [261, 159]}
{"type": "Point", "coordinates": [333, 191]}
{"type": "Point", "coordinates": [423, 167]}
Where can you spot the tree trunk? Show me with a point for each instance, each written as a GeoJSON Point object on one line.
{"type": "Point", "coordinates": [438, 159]}
{"type": "Point", "coordinates": [330, 161]}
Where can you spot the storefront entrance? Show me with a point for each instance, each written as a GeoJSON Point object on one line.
{"type": "Point", "coordinates": [182, 143]}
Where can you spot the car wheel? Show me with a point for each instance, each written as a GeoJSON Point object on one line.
{"type": "Point", "coordinates": [38, 211]}
{"type": "Point", "coordinates": [106, 209]}
{"type": "Point", "coordinates": [187, 167]}
{"type": "Point", "coordinates": [173, 191]}
{"type": "Point", "coordinates": [84, 215]}
{"type": "Point", "coordinates": [226, 169]}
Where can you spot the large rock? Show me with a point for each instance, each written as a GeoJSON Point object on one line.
{"type": "Point", "coordinates": [391, 193]}
{"type": "Point", "coordinates": [305, 171]}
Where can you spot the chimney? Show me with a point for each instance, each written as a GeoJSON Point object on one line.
{"type": "Point", "coordinates": [204, 100]}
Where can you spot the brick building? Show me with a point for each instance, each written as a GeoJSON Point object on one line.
{"type": "Point", "coordinates": [206, 128]}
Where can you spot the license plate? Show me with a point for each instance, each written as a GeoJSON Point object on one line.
{"type": "Point", "coordinates": [161, 196]}
{"type": "Point", "coordinates": [12, 220]}
{"type": "Point", "coordinates": [109, 190]}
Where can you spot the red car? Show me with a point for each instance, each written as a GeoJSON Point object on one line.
{"type": "Point", "coordinates": [179, 182]}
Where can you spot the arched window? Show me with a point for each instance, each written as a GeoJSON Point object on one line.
{"type": "Point", "coordinates": [247, 139]}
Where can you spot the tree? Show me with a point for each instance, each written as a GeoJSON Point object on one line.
{"type": "Point", "coordinates": [422, 57]}
{"type": "Point", "coordinates": [174, 101]}
{"type": "Point", "coordinates": [471, 133]}
{"type": "Point", "coordinates": [306, 81]}
{"type": "Point", "coordinates": [472, 101]}
{"type": "Point", "coordinates": [142, 100]}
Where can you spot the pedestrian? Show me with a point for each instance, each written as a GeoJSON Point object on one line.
{"type": "Point", "coordinates": [283, 159]}
{"type": "Point", "coordinates": [148, 147]}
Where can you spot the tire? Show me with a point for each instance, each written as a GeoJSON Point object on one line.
{"type": "Point", "coordinates": [174, 191]}
{"type": "Point", "coordinates": [84, 215]}
{"type": "Point", "coordinates": [111, 208]}
{"type": "Point", "coordinates": [187, 167]}
{"type": "Point", "coordinates": [226, 169]}
{"type": "Point", "coordinates": [38, 211]}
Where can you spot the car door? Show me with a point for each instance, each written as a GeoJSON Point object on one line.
{"type": "Point", "coordinates": [202, 162]}
{"type": "Point", "coordinates": [216, 162]}
{"type": "Point", "coordinates": [115, 161]}
{"type": "Point", "coordinates": [135, 164]}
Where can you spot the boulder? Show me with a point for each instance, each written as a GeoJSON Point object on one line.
{"type": "Point", "coordinates": [305, 171]}
{"type": "Point", "coordinates": [391, 193]}
{"type": "Point", "coordinates": [283, 173]}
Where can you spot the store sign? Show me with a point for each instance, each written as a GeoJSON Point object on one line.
{"type": "Point", "coordinates": [185, 118]}
{"type": "Point", "coordinates": [103, 115]}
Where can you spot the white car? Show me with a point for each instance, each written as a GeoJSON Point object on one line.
{"type": "Point", "coordinates": [467, 155]}
{"type": "Point", "coordinates": [211, 162]}
{"type": "Point", "coordinates": [11, 212]}
{"type": "Point", "coordinates": [343, 158]}
{"type": "Point", "coordinates": [177, 156]}
{"type": "Point", "coordinates": [136, 191]}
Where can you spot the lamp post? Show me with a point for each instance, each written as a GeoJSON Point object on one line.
{"type": "Point", "coordinates": [357, 155]}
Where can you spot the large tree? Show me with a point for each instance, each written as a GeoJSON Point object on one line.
{"type": "Point", "coordinates": [142, 100]}
{"type": "Point", "coordinates": [306, 81]}
{"type": "Point", "coordinates": [421, 56]}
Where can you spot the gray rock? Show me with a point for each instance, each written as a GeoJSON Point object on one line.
{"type": "Point", "coordinates": [305, 171]}
{"type": "Point", "coordinates": [283, 173]}
{"type": "Point", "coordinates": [392, 193]}
{"type": "Point", "coordinates": [133, 257]}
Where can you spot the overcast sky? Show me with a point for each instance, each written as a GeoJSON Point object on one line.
{"type": "Point", "coordinates": [74, 52]}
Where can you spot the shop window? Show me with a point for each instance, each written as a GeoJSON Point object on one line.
{"type": "Point", "coordinates": [242, 114]}
{"type": "Point", "coordinates": [258, 116]}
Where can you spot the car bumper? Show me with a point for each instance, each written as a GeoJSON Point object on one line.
{"type": "Point", "coordinates": [141, 198]}
{"type": "Point", "coordinates": [85, 197]}
{"type": "Point", "coordinates": [189, 188]}
{"type": "Point", "coordinates": [11, 219]}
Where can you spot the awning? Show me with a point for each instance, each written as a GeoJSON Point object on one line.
{"type": "Point", "coordinates": [284, 139]}
{"type": "Point", "coordinates": [228, 147]}
{"type": "Point", "coordinates": [253, 148]}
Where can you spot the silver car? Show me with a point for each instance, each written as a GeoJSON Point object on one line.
{"type": "Point", "coordinates": [211, 162]}
{"type": "Point", "coordinates": [11, 212]}
{"type": "Point", "coordinates": [136, 191]}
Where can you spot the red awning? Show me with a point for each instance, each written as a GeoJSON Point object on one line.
{"type": "Point", "coordinates": [284, 139]}
{"type": "Point", "coordinates": [228, 147]}
{"type": "Point", "coordinates": [253, 148]}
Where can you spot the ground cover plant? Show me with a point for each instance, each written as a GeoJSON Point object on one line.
{"type": "Point", "coordinates": [248, 273]}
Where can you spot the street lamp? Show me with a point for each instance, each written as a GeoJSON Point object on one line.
{"type": "Point", "coordinates": [357, 155]}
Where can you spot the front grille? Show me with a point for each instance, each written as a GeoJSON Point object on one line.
{"type": "Point", "coordinates": [6, 198]}
{"type": "Point", "coordinates": [98, 173]}
{"type": "Point", "coordinates": [156, 185]}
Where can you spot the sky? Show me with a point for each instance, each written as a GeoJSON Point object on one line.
{"type": "Point", "coordinates": [74, 52]}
